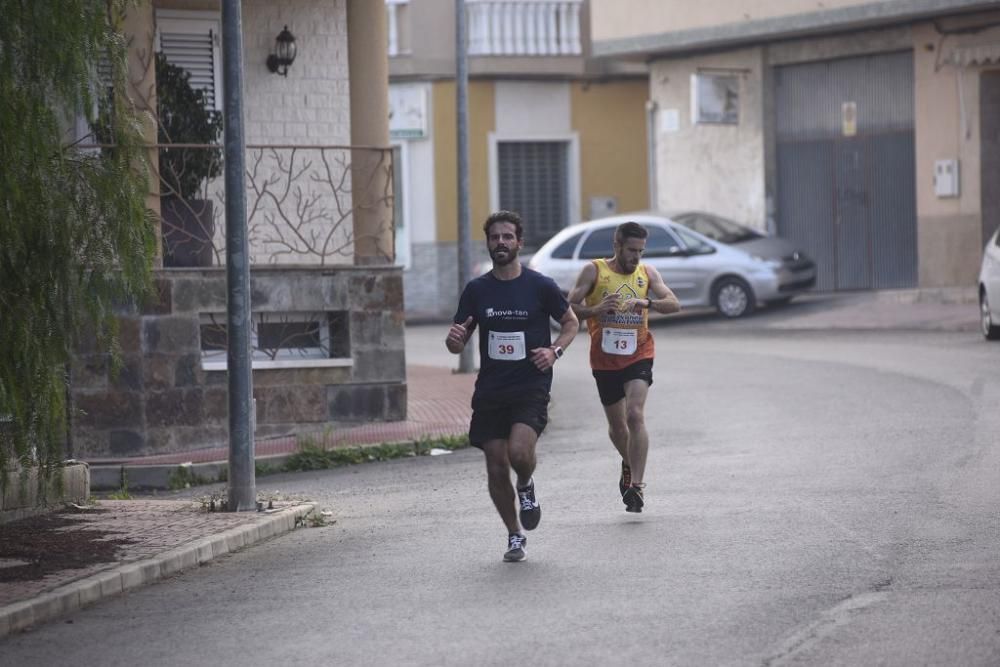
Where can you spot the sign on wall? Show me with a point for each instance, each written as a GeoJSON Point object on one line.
{"type": "Point", "coordinates": [407, 112]}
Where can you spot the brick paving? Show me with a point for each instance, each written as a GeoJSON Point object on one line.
{"type": "Point", "coordinates": [152, 527]}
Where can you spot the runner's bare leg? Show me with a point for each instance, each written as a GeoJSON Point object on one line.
{"type": "Point", "coordinates": [638, 441]}
{"type": "Point", "coordinates": [498, 479]}
{"type": "Point", "coordinates": [618, 428]}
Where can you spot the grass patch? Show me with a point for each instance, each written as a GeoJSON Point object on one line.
{"type": "Point", "coordinates": [312, 456]}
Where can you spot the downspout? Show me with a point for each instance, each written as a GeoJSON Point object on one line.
{"type": "Point", "coordinates": [651, 109]}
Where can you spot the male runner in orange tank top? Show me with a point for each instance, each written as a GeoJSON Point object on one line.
{"type": "Point", "coordinates": [615, 296]}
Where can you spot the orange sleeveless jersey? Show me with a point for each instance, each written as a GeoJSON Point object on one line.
{"type": "Point", "coordinates": [620, 339]}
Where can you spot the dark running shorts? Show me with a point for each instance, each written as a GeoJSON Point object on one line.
{"type": "Point", "coordinates": [611, 384]}
{"type": "Point", "coordinates": [492, 416]}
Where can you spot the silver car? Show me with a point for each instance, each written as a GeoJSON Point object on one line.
{"type": "Point", "coordinates": [732, 274]}
{"type": "Point", "coordinates": [989, 289]}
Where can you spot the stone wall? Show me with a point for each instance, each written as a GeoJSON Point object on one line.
{"type": "Point", "coordinates": [165, 398]}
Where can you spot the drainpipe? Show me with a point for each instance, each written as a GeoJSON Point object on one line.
{"type": "Point", "coordinates": [651, 108]}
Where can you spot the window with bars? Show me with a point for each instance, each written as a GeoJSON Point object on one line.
{"type": "Point", "coordinates": [282, 336]}
{"type": "Point", "coordinates": [534, 181]}
{"type": "Point", "coordinates": [191, 40]}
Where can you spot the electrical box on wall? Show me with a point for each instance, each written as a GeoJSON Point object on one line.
{"type": "Point", "coordinates": [603, 206]}
{"type": "Point", "coordinates": [946, 178]}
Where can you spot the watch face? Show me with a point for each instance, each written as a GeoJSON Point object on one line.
{"type": "Point", "coordinates": [558, 351]}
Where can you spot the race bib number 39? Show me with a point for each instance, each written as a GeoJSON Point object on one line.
{"type": "Point", "coordinates": [619, 341]}
{"type": "Point", "coordinates": [507, 345]}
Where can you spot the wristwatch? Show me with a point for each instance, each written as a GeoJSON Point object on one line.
{"type": "Point", "coordinates": [558, 351]}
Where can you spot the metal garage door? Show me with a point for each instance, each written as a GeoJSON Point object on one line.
{"type": "Point", "coordinates": [846, 190]}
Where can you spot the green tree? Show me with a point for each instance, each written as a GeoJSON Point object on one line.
{"type": "Point", "coordinates": [76, 239]}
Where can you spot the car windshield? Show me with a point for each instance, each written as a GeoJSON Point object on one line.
{"type": "Point", "coordinates": [717, 229]}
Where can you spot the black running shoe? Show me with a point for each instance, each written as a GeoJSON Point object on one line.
{"type": "Point", "coordinates": [625, 480]}
{"type": "Point", "coordinates": [531, 511]}
{"type": "Point", "coordinates": [515, 548]}
{"type": "Point", "coordinates": [633, 499]}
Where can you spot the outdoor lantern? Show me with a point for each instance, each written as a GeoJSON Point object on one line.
{"type": "Point", "coordinates": [284, 53]}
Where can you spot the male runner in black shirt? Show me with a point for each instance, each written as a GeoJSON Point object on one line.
{"type": "Point", "coordinates": [511, 305]}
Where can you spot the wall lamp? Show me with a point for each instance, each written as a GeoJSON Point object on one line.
{"type": "Point", "coordinates": [284, 53]}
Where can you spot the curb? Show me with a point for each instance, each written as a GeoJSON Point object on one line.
{"type": "Point", "coordinates": [156, 476]}
{"type": "Point", "coordinates": [123, 578]}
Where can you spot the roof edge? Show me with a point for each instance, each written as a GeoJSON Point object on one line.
{"type": "Point", "coordinates": [795, 25]}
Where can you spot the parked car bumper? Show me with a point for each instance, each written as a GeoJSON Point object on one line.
{"type": "Point", "coordinates": [783, 283]}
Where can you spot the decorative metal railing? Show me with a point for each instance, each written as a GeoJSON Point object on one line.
{"type": "Point", "coordinates": [301, 202]}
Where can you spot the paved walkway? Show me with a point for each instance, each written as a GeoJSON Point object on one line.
{"type": "Point", "coordinates": [157, 538]}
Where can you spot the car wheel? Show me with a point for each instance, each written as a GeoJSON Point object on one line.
{"type": "Point", "coordinates": [733, 298]}
{"type": "Point", "coordinates": [991, 329]}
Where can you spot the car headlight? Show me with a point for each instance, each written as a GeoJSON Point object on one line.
{"type": "Point", "coordinates": [769, 262]}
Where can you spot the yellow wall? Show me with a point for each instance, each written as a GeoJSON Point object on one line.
{"type": "Point", "coordinates": [482, 121]}
{"type": "Point", "coordinates": [610, 119]}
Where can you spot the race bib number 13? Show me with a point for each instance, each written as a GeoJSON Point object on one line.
{"type": "Point", "coordinates": [619, 341]}
{"type": "Point", "coordinates": [507, 345]}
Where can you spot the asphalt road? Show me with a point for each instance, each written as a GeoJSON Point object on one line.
{"type": "Point", "coordinates": [814, 498]}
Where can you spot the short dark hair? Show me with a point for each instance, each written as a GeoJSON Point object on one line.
{"type": "Point", "coordinates": [630, 230]}
{"type": "Point", "coordinates": [504, 216]}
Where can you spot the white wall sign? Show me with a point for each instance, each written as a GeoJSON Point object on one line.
{"type": "Point", "coordinates": [407, 112]}
{"type": "Point", "coordinates": [670, 121]}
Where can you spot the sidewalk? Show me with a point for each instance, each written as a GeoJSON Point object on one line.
{"type": "Point", "coordinates": [119, 545]}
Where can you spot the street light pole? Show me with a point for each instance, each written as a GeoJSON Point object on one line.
{"type": "Point", "coordinates": [466, 362]}
{"type": "Point", "coordinates": [242, 483]}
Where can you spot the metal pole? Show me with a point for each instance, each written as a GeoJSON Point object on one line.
{"type": "Point", "coordinates": [466, 361]}
{"type": "Point", "coordinates": [242, 484]}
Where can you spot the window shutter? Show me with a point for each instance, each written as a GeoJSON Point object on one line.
{"type": "Point", "coordinates": [193, 44]}
{"type": "Point", "coordinates": [534, 182]}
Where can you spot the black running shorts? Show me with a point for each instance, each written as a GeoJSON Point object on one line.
{"type": "Point", "coordinates": [493, 416]}
{"type": "Point", "coordinates": [611, 384]}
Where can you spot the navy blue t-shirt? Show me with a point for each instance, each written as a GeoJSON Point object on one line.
{"type": "Point", "coordinates": [513, 319]}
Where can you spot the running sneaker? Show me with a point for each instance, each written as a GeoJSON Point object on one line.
{"type": "Point", "coordinates": [633, 499]}
{"type": "Point", "coordinates": [625, 480]}
{"type": "Point", "coordinates": [531, 511]}
{"type": "Point", "coordinates": [515, 548]}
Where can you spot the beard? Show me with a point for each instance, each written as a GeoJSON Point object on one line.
{"type": "Point", "coordinates": [509, 255]}
{"type": "Point", "coordinates": [627, 265]}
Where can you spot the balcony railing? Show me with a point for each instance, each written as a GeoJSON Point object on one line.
{"type": "Point", "coordinates": [301, 202]}
{"type": "Point", "coordinates": [503, 27]}
{"type": "Point", "coordinates": [524, 27]}
{"type": "Point", "coordinates": [397, 21]}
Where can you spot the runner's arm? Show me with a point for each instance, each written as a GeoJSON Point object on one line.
{"type": "Point", "coordinates": [584, 284]}
{"type": "Point", "coordinates": [569, 326]}
{"type": "Point", "coordinates": [665, 302]}
{"type": "Point", "coordinates": [458, 336]}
